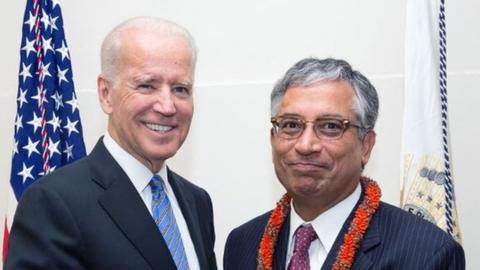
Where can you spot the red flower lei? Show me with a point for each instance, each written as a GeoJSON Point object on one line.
{"type": "Point", "coordinates": [351, 241]}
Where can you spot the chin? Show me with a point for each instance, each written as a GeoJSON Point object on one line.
{"type": "Point", "coordinates": [306, 190]}
{"type": "Point", "coordinates": [162, 155]}
{"type": "Point", "coordinates": [164, 147]}
{"type": "Point", "coordinates": [307, 186]}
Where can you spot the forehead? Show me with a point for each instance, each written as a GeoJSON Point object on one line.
{"type": "Point", "coordinates": [329, 98]}
{"type": "Point", "coordinates": [155, 48]}
{"type": "Point", "coordinates": [145, 36]}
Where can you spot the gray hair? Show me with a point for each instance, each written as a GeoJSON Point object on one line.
{"type": "Point", "coordinates": [111, 44]}
{"type": "Point", "coordinates": [311, 71]}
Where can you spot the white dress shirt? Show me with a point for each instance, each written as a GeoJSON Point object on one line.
{"type": "Point", "coordinates": [140, 177]}
{"type": "Point", "coordinates": [327, 226]}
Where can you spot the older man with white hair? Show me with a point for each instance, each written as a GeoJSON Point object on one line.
{"type": "Point", "coordinates": [121, 207]}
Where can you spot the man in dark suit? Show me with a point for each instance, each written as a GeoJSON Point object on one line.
{"type": "Point", "coordinates": [323, 115]}
{"type": "Point", "coordinates": [121, 207]}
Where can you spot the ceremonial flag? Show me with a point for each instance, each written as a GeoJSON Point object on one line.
{"type": "Point", "coordinates": [427, 182]}
{"type": "Point", "coordinates": [48, 131]}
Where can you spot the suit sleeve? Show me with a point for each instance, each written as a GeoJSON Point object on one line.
{"type": "Point", "coordinates": [450, 257]}
{"type": "Point", "coordinates": [44, 234]}
{"type": "Point", "coordinates": [212, 260]}
{"type": "Point", "coordinates": [227, 262]}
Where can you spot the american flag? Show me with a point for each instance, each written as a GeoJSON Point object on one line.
{"type": "Point", "coordinates": [48, 131]}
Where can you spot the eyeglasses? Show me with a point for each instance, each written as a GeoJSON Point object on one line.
{"type": "Point", "coordinates": [325, 128]}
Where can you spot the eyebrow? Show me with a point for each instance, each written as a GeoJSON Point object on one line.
{"type": "Point", "coordinates": [187, 84]}
{"type": "Point", "coordinates": [290, 115]}
{"type": "Point", "coordinates": [333, 115]}
{"type": "Point", "coordinates": [150, 79]}
{"type": "Point", "coordinates": [323, 116]}
{"type": "Point", "coordinates": [144, 79]}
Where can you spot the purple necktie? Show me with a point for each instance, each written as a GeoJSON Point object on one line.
{"type": "Point", "coordinates": [303, 238]}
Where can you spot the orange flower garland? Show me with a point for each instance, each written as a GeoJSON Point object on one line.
{"type": "Point", "coordinates": [269, 238]}
{"type": "Point", "coordinates": [351, 240]}
{"type": "Point", "coordinates": [359, 225]}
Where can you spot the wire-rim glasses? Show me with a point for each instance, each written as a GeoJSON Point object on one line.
{"type": "Point", "coordinates": [288, 127]}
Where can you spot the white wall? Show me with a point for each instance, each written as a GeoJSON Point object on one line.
{"type": "Point", "coordinates": [244, 47]}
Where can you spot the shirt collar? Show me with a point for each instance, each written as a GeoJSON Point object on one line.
{"type": "Point", "coordinates": [328, 224]}
{"type": "Point", "coordinates": [138, 173]}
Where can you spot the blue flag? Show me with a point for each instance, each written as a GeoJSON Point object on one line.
{"type": "Point", "coordinates": [48, 131]}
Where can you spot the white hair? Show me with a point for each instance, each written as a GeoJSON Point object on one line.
{"type": "Point", "coordinates": [112, 43]}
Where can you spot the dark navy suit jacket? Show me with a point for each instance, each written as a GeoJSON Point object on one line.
{"type": "Point", "coordinates": [88, 215]}
{"type": "Point", "coordinates": [394, 239]}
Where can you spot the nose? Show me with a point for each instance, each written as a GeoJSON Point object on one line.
{"type": "Point", "coordinates": [308, 142]}
{"type": "Point", "coordinates": [165, 102]}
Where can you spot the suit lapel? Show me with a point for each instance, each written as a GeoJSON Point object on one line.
{"type": "Point", "coordinates": [186, 202]}
{"type": "Point", "coordinates": [338, 242]}
{"type": "Point", "coordinates": [370, 240]}
{"type": "Point", "coordinates": [280, 256]}
{"type": "Point", "coordinates": [127, 210]}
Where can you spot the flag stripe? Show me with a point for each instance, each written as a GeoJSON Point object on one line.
{"type": "Point", "coordinates": [5, 241]}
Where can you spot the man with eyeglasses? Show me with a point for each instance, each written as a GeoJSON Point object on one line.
{"type": "Point", "coordinates": [331, 217]}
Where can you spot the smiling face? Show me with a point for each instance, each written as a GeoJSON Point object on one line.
{"type": "Point", "coordinates": [150, 102]}
{"type": "Point", "coordinates": [319, 173]}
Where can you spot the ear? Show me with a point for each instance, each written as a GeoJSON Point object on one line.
{"type": "Point", "coordinates": [272, 141]}
{"type": "Point", "coordinates": [104, 90]}
{"type": "Point", "coordinates": [272, 136]}
{"type": "Point", "coordinates": [367, 145]}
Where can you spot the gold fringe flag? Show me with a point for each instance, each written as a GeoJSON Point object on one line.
{"type": "Point", "coordinates": [427, 182]}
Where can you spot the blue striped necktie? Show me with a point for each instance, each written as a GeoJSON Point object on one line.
{"type": "Point", "coordinates": [165, 220]}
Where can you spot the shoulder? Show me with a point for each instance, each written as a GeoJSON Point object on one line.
{"type": "Point", "coordinates": [242, 244]}
{"type": "Point", "coordinates": [398, 221]}
{"type": "Point", "coordinates": [187, 186]}
{"type": "Point", "coordinates": [50, 200]}
{"type": "Point", "coordinates": [66, 179]}
{"type": "Point", "coordinates": [249, 232]}
{"type": "Point", "coordinates": [411, 242]}
{"type": "Point", "coordinates": [402, 221]}
{"type": "Point", "coordinates": [73, 184]}
{"type": "Point", "coordinates": [186, 189]}
{"type": "Point", "coordinates": [410, 233]}
{"type": "Point", "coordinates": [182, 181]}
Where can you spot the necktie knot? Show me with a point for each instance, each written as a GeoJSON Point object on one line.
{"type": "Point", "coordinates": [304, 237]}
{"type": "Point", "coordinates": [156, 184]}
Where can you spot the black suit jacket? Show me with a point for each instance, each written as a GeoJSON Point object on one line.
{"type": "Point", "coordinates": [394, 239]}
{"type": "Point", "coordinates": [88, 215]}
